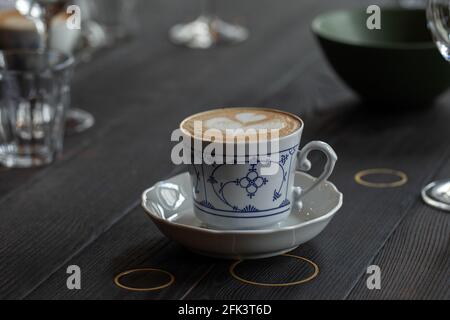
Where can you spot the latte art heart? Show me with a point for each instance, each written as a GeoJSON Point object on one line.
{"type": "Point", "coordinates": [246, 121]}
{"type": "Point", "coordinates": [222, 124]}
{"type": "Point", "coordinates": [250, 117]}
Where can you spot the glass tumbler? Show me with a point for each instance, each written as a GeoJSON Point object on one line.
{"type": "Point", "coordinates": [34, 96]}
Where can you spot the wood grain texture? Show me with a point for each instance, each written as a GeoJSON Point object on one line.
{"type": "Point", "coordinates": [81, 197]}
{"type": "Point", "coordinates": [84, 209]}
{"type": "Point", "coordinates": [342, 251]}
{"type": "Point", "coordinates": [54, 287]}
{"type": "Point", "coordinates": [132, 243]}
{"type": "Point", "coordinates": [415, 261]}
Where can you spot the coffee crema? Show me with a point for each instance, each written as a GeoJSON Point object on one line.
{"type": "Point", "coordinates": [231, 121]}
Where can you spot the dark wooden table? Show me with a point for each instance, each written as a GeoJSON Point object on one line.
{"type": "Point", "coordinates": [84, 210]}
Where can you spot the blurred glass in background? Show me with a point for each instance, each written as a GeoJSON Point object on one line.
{"type": "Point", "coordinates": [35, 94]}
{"type": "Point", "coordinates": [34, 24]}
{"type": "Point", "coordinates": [207, 30]}
{"type": "Point", "coordinates": [109, 20]}
{"type": "Point", "coordinates": [50, 18]}
{"type": "Point", "coordinates": [412, 4]}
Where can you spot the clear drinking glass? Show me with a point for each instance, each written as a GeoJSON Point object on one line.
{"type": "Point", "coordinates": [437, 194]}
{"type": "Point", "coordinates": [35, 94]}
{"type": "Point", "coordinates": [207, 30]}
{"type": "Point", "coordinates": [42, 12]}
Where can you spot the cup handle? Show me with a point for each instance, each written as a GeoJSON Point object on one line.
{"type": "Point", "coordinates": [304, 164]}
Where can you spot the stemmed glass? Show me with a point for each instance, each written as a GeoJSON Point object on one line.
{"type": "Point", "coordinates": [207, 30]}
{"type": "Point", "coordinates": [42, 12]}
{"type": "Point", "coordinates": [437, 194]}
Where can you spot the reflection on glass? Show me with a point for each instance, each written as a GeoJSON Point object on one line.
{"type": "Point", "coordinates": [438, 14]}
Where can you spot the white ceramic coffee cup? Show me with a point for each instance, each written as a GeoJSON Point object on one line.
{"type": "Point", "coordinates": [240, 196]}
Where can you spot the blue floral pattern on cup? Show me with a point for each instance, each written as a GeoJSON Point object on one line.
{"type": "Point", "coordinates": [215, 185]}
{"type": "Point", "coordinates": [252, 181]}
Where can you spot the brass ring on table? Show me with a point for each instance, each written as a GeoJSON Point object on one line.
{"type": "Point", "coordinates": [125, 273]}
{"type": "Point", "coordinates": [403, 178]}
{"type": "Point", "coordinates": [287, 284]}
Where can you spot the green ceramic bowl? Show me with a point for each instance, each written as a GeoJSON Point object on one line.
{"type": "Point", "coordinates": [399, 63]}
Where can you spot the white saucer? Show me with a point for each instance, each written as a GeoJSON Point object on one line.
{"type": "Point", "coordinates": [169, 205]}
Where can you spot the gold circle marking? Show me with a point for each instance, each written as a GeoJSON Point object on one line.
{"type": "Point", "coordinates": [287, 284]}
{"type": "Point", "coordinates": [125, 273]}
{"type": "Point", "coordinates": [403, 178]}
